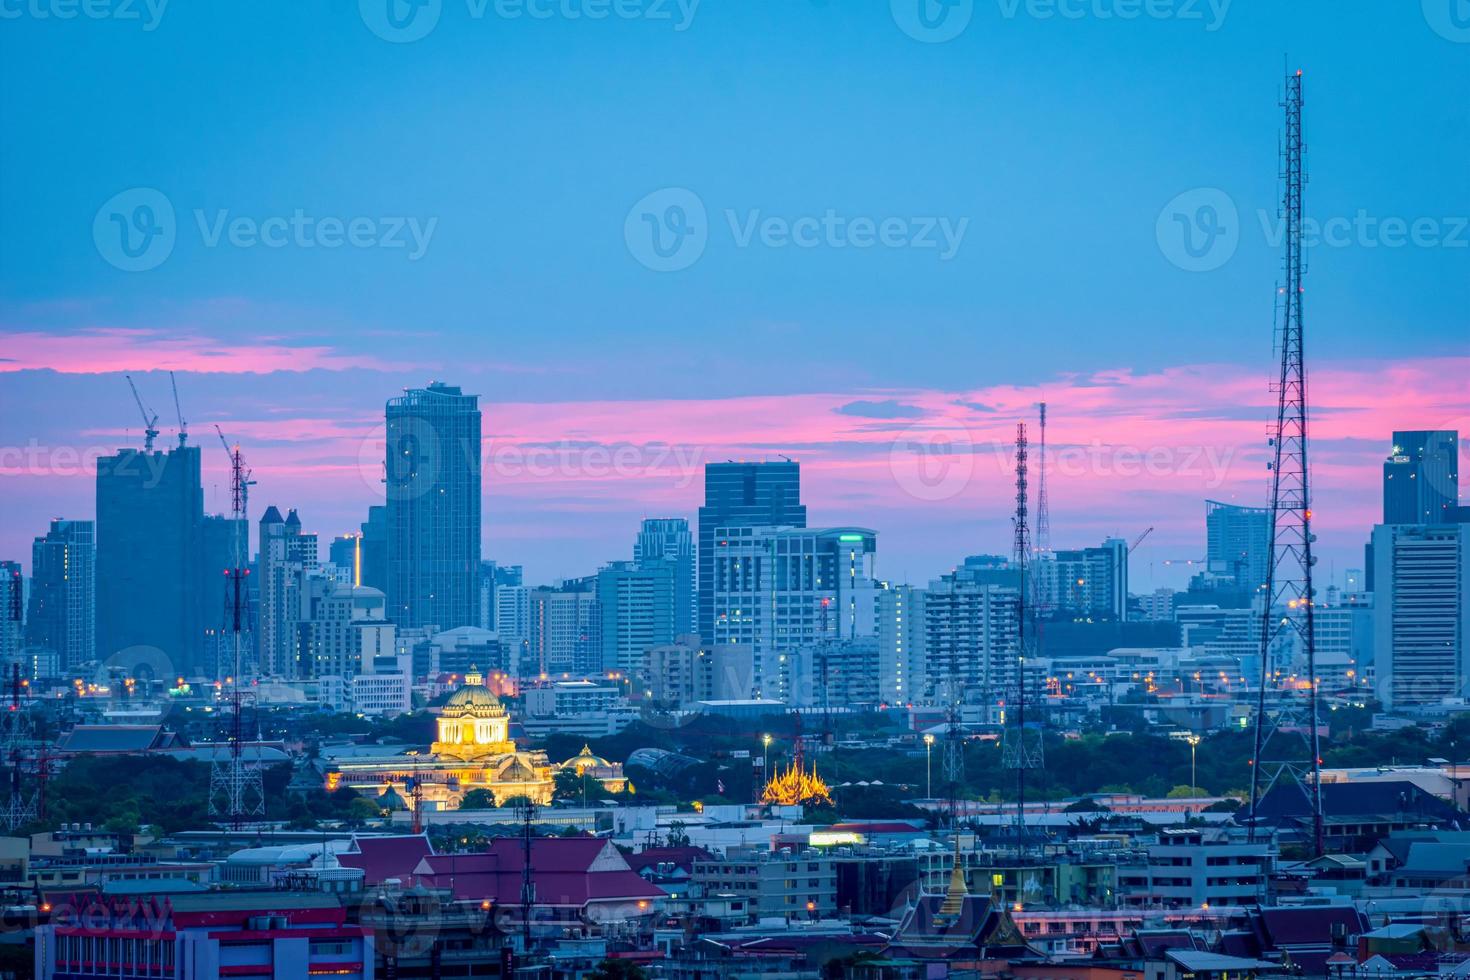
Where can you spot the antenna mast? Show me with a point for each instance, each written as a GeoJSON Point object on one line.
{"type": "Point", "coordinates": [236, 790]}
{"type": "Point", "coordinates": [1287, 730]}
{"type": "Point", "coordinates": [1021, 749]}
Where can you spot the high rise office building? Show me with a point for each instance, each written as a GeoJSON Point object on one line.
{"type": "Point", "coordinates": [564, 631]}
{"type": "Point", "coordinates": [638, 602]}
{"type": "Point", "coordinates": [375, 549]}
{"type": "Point", "coordinates": [670, 538]}
{"type": "Point", "coordinates": [287, 557]}
{"type": "Point", "coordinates": [1421, 479]}
{"type": "Point", "coordinates": [12, 612]}
{"type": "Point", "coordinates": [433, 483]}
{"type": "Point", "coordinates": [150, 515]}
{"type": "Point", "coordinates": [1087, 583]}
{"type": "Point", "coordinates": [781, 591]}
{"type": "Point", "coordinates": [970, 637]}
{"type": "Point", "coordinates": [742, 495]}
{"type": "Point", "coordinates": [1238, 543]}
{"type": "Point", "coordinates": [902, 657]}
{"type": "Point", "coordinates": [1421, 609]}
{"type": "Point", "coordinates": [62, 614]}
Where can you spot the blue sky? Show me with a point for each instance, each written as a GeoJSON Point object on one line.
{"type": "Point", "coordinates": [1057, 134]}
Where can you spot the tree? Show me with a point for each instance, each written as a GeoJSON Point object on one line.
{"type": "Point", "coordinates": [569, 786]}
{"type": "Point", "coordinates": [512, 802]}
{"type": "Point", "coordinates": [362, 809]}
{"type": "Point", "coordinates": [477, 799]}
{"type": "Point", "coordinates": [618, 970]}
{"type": "Point", "coordinates": [1182, 792]}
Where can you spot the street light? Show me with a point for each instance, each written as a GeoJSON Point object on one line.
{"type": "Point", "coordinates": [765, 760]}
{"type": "Point", "coordinates": [1193, 740]}
{"type": "Point", "coordinates": [928, 767]}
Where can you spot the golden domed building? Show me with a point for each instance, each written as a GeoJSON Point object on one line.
{"type": "Point", "coordinates": [609, 774]}
{"type": "Point", "coordinates": [473, 750]}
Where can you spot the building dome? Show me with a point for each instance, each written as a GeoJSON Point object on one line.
{"type": "Point", "coordinates": [585, 760]}
{"type": "Point", "coordinates": [473, 701]}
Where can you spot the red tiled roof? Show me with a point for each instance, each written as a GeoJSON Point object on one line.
{"type": "Point", "coordinates": [381, 858]}
{"type": "Point", "coordinates": [562, 870]}
{"type": "Point", "coordinates": [682, 857]}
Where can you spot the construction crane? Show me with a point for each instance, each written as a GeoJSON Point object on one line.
{"type": "Point", "coordinates": [183, 426]}
{"type": "Point", "coordinates": [150, 421]}
{"type": "Point", "coordinates": [245, 482]}
{"type": "Point", "coordinates": [1139, 540]}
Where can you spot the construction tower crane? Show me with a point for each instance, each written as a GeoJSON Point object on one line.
{"type": "Point", "coordinates": [1139, 540]}
{"type": "Point", "coordinates": [183, 426]}
{"type": "Point", "coordinates": [150, 421]}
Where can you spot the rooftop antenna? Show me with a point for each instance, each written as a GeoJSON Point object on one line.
{"type": "Point", "coordinates": [183, 426]}
{"type": "Point", "coordinates": [150, 420]}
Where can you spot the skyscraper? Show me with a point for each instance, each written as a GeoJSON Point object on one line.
{"type": "Point", "coordinates": [1421, 611]}
{"type": "Point", "coordinates": [375, 549]}
{"type": "Point", "coordinates": [433, 482]}
{"type": "Point", "coordinates": [742, 495]}
{"type": "Point", "coordinates": [782, 590]}
{"type": "Point", "coordinates": [1238, 543]}
{"type": "Point", "coordinates": [12, 612]}
{"type": "Point", "coordinates": [1421, 478]}
{"type": "Point", "coordinates": [62, 614]}
{"type": "Point", "coordinates": [670, 538]}
{"type": "Point", "coordinates": [287, 557]}
{"type": "Point", "coordinates": [1086, 582]}
{"type": "Point", "coordinates": [637, 602]}
{"type": "Point", "coordinates": [150, 514]}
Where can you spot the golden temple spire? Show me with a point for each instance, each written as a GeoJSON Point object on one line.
{"type": "Point", "coordinates": [954, 898]}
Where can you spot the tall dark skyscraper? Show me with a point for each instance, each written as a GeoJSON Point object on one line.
{"type": "Point", "coordinates": [1238, 543]}
{"type": "Point", "coordinates": [375, 549]}
{"type": "Point", "coordinates": [433, 484]}
{"type": "Point", "coordinates": [1421, 479]}
{"type": "Point", "coordinates": [150, 514]}
{"type": "Point", "coordinates": [63, 593]}
{"type": "Point", "coordinates": [742, 495]}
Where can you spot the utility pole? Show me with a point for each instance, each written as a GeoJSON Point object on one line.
{"type": "Point", "coordinates": [1287, 746]}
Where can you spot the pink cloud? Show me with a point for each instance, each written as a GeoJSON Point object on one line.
{"type": "Point", "coordinates": [101, 350]}
{"type": "Point", "coordinates": [1127, 450]}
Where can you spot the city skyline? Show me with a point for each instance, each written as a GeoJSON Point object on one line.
{"type": "Point", "coordinates": [864, 462]}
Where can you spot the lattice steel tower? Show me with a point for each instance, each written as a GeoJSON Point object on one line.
{"type": "Point", "coordinates": [236, 790]}
{"type": "Point", "coordinates": [1287, 746]}
{"type": "Point", "coordinates": [1021, 749]}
